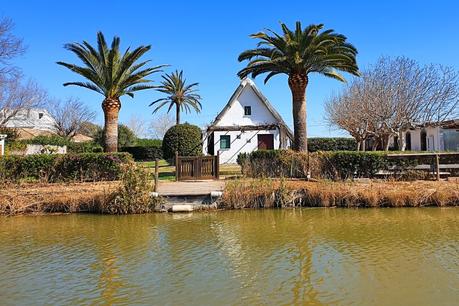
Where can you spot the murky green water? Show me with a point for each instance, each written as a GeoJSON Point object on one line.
{"type": "Point", "coordinates": [316, 256]}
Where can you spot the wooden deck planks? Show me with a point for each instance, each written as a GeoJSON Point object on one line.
{"type": "Point", "coordinates": [189, 187]}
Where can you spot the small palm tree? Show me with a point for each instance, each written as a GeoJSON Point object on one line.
{"type": "Point", "coordinates": [184, 97]}
{"type": "Point", "coordinates": [296, 54]}
{"type": "Point", "coordinates": [111, 74]}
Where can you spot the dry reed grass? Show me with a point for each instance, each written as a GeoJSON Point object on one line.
{"type": "Point", "coordinates": [280, 193]}
{"type": "Point", "coordinates": [129, 196]}
{"type": "Point", "coordinates": [253, 193]}
{"type": "Point", "coordinates": [54, 198]}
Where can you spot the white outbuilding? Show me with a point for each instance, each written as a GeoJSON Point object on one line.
{"type": "Point", "coordinates": [2, 144]}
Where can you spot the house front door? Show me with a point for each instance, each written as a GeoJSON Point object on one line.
{"type": "Point", "coordinates": [265, 141]}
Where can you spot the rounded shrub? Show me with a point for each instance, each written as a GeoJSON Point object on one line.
{"type": "Point", "coordinates": [184, 139]}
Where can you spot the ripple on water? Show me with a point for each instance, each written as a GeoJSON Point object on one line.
{"type": "Point", "coordinates": [317, 256]}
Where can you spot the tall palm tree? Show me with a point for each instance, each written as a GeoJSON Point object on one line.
{"type": "Point", "coordinates": [179, 94]}
{"type": "Point", "coordinates": [296, 54]}
{"type": "Point", "coordinates": [112, 74]}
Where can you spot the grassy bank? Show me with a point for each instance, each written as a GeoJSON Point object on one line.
{"type": "Point", "coordinates": [122, 198]}
{"type": "Point", "coordinates": [278, 193]}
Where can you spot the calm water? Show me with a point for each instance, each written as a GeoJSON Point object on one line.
{"type": "Point", "coordinates": [315, 256]}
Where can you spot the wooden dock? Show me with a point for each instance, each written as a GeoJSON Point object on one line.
{"type": "Point", "coordinates": [189, 188]}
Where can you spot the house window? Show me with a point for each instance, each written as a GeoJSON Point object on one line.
{"type": "Point", "coordinates": [40, 115]}
{"type": "Point", "coordinates": [225, 142]}
{"type": "Point", "coordinates": [247, 110]}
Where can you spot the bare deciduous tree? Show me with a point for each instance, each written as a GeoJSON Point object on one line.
{"type": "Point", "coordinates": [15, 96]}
{"type": "Point", "coordinates": [392, 97]}
{"type": "Point", "coordinates": [160, 125]}
{"type": "Point", "coordinates": [10, 47]}
{"type": "Point", "coordinates": [138, 125]}
{"type": "Point", "coordinates": [70, 116]}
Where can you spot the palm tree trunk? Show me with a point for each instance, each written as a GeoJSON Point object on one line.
{"type": "Point", "coordinates": [177, 114]}
{"type": "Point", "coordinates": [297, 84]}
{"type": "Point", "coordinates": [111, 108]}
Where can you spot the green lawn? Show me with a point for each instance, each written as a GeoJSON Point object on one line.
{"type": "Point", "coordinates": [167, 171]}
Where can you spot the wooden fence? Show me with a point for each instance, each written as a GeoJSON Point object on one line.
{"type": "Point", "coordinates": [433, 162]}
{"type": "Point", "coordinates": [196, 167]}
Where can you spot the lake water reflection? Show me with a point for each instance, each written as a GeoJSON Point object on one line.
{"type": "Point", "coordinates": [315, 256]}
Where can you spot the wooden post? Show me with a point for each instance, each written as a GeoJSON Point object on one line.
{"type": "Point", "coordinates": [176, 166]}
{"type": "Point", "coordinates": [217, 165]}
{"type": "Point", "coordinates": [156, 174]}
{"type": "Point", "coordinates": [437, 166]}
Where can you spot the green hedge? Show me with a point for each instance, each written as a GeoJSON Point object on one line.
{"type": "Point", "coordinates": [331, 144]}
{"type": "Point", "coordinates": [63, 168]}
{"type": "Point", "coordinates": [142, 153]}
{"type": "Point", "coordinates": [329, 165]}
{"type": "Point", "coordinates": [345, 164]}
{"type": "Point", "coordinates": [184, 139]}
{"type": "Point", "coordinates": [145, 149]}
{"type": "Point", "coordinates": [145, 142]}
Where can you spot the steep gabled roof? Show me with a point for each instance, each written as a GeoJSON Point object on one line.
{"type": "Point", "coordinates": [248, 82]}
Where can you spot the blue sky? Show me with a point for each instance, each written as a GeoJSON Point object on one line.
{"type": "Point", "coordinates": [204, 39]}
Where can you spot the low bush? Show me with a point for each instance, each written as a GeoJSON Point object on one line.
{"type": "Point", "coordinates": [84, 147]}
{"type": "Point", "coordinates": [184, 139]}
{"type": "Point", "coordinates": [11, 134]}
{"type": "Point", "coordinates": [63, 168]}
{"type": "Point", "coordinates": [53, 140]}
{"type": "Point", "coordinates": [331, 144]}
{"type": "Point", "coordinates": [132, 196]}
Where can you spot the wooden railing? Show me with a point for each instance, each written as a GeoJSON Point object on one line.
{"type": "Point", "coordinates": [433, 162]}
{"type": "Point", "coordinates": [196, 167]}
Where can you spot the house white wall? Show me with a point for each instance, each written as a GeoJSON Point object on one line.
{"type": "Point", "coordinates": [241, 142]}
{"type": "Point", "coordinates": [235, 114]}
{"type": "Point", "coordinates": [434, 138]}
{"type": "Point", "coordinates": [38, 119]}
{"type": "Point", "coordinates": [415, 139]}
{"type": "Point", "coordinates": [244, 129]}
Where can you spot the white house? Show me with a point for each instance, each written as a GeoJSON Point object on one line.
{"type": "Point", "coordinates": [443, 136]}
{"type": "Point", "coordinates": [37, 119]}
{"type": "Point", "coordinates": [247, 123]}
{"type": "Point", "coordinates": [35, 122]}
{"type": "Point", "coordinates": [30, 123]}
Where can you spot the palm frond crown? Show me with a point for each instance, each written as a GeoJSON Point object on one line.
{"type": "Point", "coordinates": [109, 71]}
{"type": "Point", "coordinates": [300, 51]}
{"type": "Point", "coordinates": [178, 93]}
